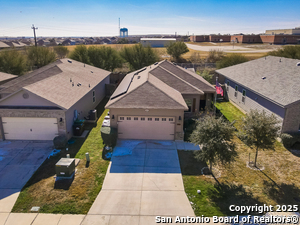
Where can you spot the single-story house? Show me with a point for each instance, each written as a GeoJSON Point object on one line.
{"type": "Point", "coordinates": [270, 83]}
{"type": "Point", "coordinates": [44, 103]}
{"type": "Point", "coordinates": [157, 42]}
{"type": "Point", "coordinates": [151, 103]}
{"type": "Point", "coordinates": [5, 77]}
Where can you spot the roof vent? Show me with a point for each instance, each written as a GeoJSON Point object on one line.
{"type": "Point", "coordinates": [280, 60]}
{"type": "Point", "coordinates": [89, 85]}
{"type": "Point", "coordinates": [69, 61]}
{"type": "Point", "coordinates": [72, 84]}
{"type": "Point", "coordinates": [83, 65]}
{"type": "Point", "coordinates": [92, 72]}
{"type": "Point", "coordinates": [70, 79]}
{"type": "Point", "coordinates": [263, 78]}
{"type": "Point", "coordinates": [138, 77]}
{"type": "Point", "coordinates": [79, 84]}
{"type": "Point", "coordinates": [298, 64]}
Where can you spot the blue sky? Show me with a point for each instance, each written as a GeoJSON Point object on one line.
{"type": "Point", "coordinates": [100, 18]}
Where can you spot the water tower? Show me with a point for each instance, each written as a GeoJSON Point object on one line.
{"type": "Point", "coordinates": [123, 32]}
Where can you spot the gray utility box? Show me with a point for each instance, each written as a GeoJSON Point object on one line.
{"type": "Point", "coordinates": [65, 167]}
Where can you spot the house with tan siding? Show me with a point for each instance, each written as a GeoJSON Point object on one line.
{"type": "Point", "coordinates": [270, 83]}
{"type": "Point", "coordinates": [44, 103]}
{"type": "Point", "coordinates": [151, 103]}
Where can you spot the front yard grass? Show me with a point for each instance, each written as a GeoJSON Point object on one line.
{"type": "Point", "coordinates": [278, 183]}
{"type": "Point", "coordinates": [78, 197]}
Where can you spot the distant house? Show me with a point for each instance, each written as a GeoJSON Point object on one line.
{"type": "Point", "coordinates": [151, 103]}
{"type": "Point", "coordinates": [157, 42]}
{"type": "Point", "coordinates": [3, 45]}
{"type": "Point", "coordinates": [5, 77]}
{"type": "Point", "coordinates": [270, 83]}
{"type": "Point", "coordinates": [44, 103]}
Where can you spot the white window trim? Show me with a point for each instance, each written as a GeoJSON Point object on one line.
{"type": "Point", "coordinates": [244, 96]}
{"type": "Point", "coordinates": [236, 91]}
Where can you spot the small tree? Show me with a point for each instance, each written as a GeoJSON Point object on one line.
{"type": "Point", "coordinates": [80, 54]}
{"type": "Point", "coordinates": [40, 56]}
{"type": "Point", "coordinates": [195, 58]}
{"type": "Point", "coordinates": [214, 56]}
{"type": "Point", "coordinates": [206, 75]}
{"type": "Point", "coordinates": [123, 41]}
{"type": "Point", "coordinates": [104, 57]}
{"type": "Point", "coordinates": [215, 139]}
{"type": "Point", "coordinates": [231, 60]}
{"type": "Point", "coordinates": [260, 130]}
{"type": "Point", "coordinates": [61, 51]}
{"type": "Point", "coordinates": [176, 49]}
{"type": "Point", "coordinates": [13, 62]}
{"type": "Point", "coordinates": [139, 56]}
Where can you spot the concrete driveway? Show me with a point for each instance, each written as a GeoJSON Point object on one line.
{"type": "Point", "coordinates": [141, 186]}
{"type": "Point", "coordinates": [18, 161]}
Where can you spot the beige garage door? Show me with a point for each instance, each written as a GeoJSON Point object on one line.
{"type": "Point", "coordinates": [139, 127]}
{"type": "Point", "coordinates": [27, 128]}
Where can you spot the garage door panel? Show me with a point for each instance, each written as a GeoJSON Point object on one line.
{"type": "Point", "coordinates": [146, 129]}
{"type": "Point", "coordinates": [24, 128]}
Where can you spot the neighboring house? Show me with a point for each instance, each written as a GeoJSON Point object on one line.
{"type": "Point", "coordinates": [269, 83]}
{"type": "Point", "coordinates": [44, 103]}
{"type": "Point", "coordinates": [151, 103]}
{"type": "Point", "coordinates": [5, 77]}
{"type": "Point", "coordinates": [4, 45]}
{"type": "Point", "coordinates": [157, 42]}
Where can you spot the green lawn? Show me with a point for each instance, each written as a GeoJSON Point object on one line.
{"type": "Point", "coordinates": [278, 183]}
{"type": "Point", "coordinates": [230, 112]}
{"type": "Point", "coordinates": [69, 198]}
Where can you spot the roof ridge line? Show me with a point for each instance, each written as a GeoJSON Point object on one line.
{"type": "Point", "coordinates": [126, 94]}
{"type": "Point", "coordinates": [164, 91]}
{"type": "Point", "coordinates": [182, 80]}
{"type": "Point", "coordinates": [29, 77]}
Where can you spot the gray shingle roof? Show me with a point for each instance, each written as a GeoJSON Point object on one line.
{"type": "Point", "coordinates": [158, 86]}
{"type": "Point", "coordinates": [52, 82]}
{"type": "Point", "coordinates": [174, 82]}
{"type": "Point", "coordinates": [147, 92]}
{"type": "Point", "coordinates": [282, 82]}
{"type": "Point", "coordinates": [188, 76]}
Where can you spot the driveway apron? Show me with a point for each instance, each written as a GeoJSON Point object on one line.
{"type": "Point", "coordinates": [140, 186]}
{"type": "Point", "coordinates": [18, 161]}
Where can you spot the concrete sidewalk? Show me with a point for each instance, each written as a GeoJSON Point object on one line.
{"type": "Point", "coordinates": [39, 219]}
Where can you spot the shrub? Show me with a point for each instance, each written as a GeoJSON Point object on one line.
{"type": "Point", "coordinates": [40, 56]}
{"type": "Point", "coordinates": [288, 140]}
{"type": "Point", "coordinates": [13, 62]}
{"type": "Point", "coordinates": [139, 56]}
{"type": "Point", "coordinates": [231, 60]}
